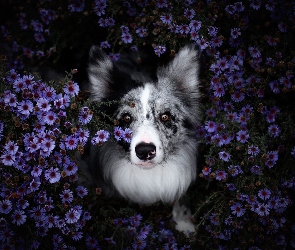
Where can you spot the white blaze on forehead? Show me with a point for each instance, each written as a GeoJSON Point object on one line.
{"type": "Point", "coordinates": [144, 98]}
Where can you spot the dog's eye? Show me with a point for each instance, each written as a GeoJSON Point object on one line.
{"type": "Point", "coordinates": [165, 117]}
{"type": "Point", "coordinates": [127, 118]}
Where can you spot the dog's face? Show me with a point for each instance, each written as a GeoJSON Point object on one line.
{"type": "Point", "coordinates": [162, 115]}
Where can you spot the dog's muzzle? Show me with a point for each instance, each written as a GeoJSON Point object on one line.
{"type": "Point", "coordinates": [145, 151]}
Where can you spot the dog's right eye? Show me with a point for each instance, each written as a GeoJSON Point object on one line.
{"type": "Point", "coordinates": [127, 118]}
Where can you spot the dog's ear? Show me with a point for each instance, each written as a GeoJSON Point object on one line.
{"type": "Point", "coordinates": [100, 67]}
{"type": "Point", "coordinates": [182, 71]}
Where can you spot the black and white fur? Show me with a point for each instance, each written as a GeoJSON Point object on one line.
{"type": "Point", "coordinates": [162, 110]}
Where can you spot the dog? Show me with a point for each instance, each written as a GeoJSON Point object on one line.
{"type": "Point", "coordinates": [162, 110]}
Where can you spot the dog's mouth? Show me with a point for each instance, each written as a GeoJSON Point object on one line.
{"type": "Point", "coordinates": [146, 164]}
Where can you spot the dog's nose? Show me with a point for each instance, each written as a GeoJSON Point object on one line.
{"type": "Point", "coordinates": [145, 151]}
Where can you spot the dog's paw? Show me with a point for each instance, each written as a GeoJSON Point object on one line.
{"type": "Point", "coordinates": [181, 215]}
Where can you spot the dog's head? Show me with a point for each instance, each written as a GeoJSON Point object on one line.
{"type": "Point", "coordinates": [162, 111]}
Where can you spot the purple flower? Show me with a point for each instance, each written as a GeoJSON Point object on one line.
{"type": "Point", "coordinates": [237, 96]}
{"type": "Point", "coordinates": [52, 175]}
{"type": "Point", "coordinates": [206, 170]}
{"type": "Point", "coordinates": [231, 186]}
{"type": "Point", "coordinates": [264, 194]}
{"type": "Point", "coordinates": [254, 52]}
{"type": "Point", "coordinates": [82, 135]}
{"type": "Point", "coordinates": [142, 32]}
{"type": "Point", "coordinates": [221, 175]}
{"type": "Point", "coordinates": [43, 104]}
{"type": "Point", "coordinates": [81, 191]}
{"type": "Point", "coordinates": [5, 206]}
{"type": "Point", "coordinates": [72, 216]}
{"type": "Point", "coordinates": [71, 88]}
{"type": "Point", "coordinates": [39, 37]}
{"type": "Point", "coordinates": [210, 126]}
{"type": "Point", "coordinates": [189, 13]}
{"type": "Point", "coordinates": [262, 209]}
{"type": "Point", "coordinates": [105, 45]}
{"type": "Point", "coordinates": [242, 136]}
{"type": "Point", "coordinates": [235, 170]}
{"type": "Point", "coordinates": [7, 159]}
{"type": "Point", "coordinates": [161, 3]}
{"type": "Point", "coordinates": [166, 19]}
{"type": "Point", "coordinates": [274, 130]}
{"type": "Point", "coordinates": [127, 135]}
{"type": "Point", "coordinates": [71, 142]}
{"type": "Point", "coordinates": [10, 99]}
{"type": "Point", "coordinates": [195, 25]}
{"type": "Point", "coordinates": [253, 150]}
{"type": "Point", "coordinates": [100, 137]}
{"type": "Point", "coordinates": [224, 156]}
{"type": "Point", "coordinates": [282, 27]}
{"type": "Point", "coordinates": [49, 117]}
{"type": "Point", "coordinates": [66, 196]}
{"type": "Point", "coordinates": [256, 170]}
{"type": "Point", "coordinates": [126, 38]}
{"type": "Point", "coordinates": [237, 209]}
{"type": "Point", "coordinates": [18, 217]}
{"type": "Point", "coordinates": [118, 133]}
{"type": "Point", "coordinates": [25, 107]}
{"type": "Point", "coordinates": [159, 50]}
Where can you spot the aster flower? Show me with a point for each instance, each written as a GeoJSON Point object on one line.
{"type": "Point", "coordinates": [127, 135]}
{"type": "Point", "coordinates": [70, 168]}
{"type": "Point", "coordinates": [142, 31]}
{"type": "Point", "coordinates": [81, 191]}
{"type": "Point", "coordinates": [18, 217]}
{"type": "Point", "coordinates": [118, 133]}
{"type": "Point", "coordinates": [25, 107]}
{"type": "Point", "coordinates": [231, 186]}
{"type": "Point", "coordinates": [71, 142]}
{"type": "Point", "coordinates": [237, 209]}
{"type": "Point", "coordinates": [71, 88]}
{"type": "Point", "coordinates": [253, 150]}
{"type": "Point", "coordinates": [159, 50]}
{"type": "Point", "coordinates": [264, 194]}
{"type": "Point", "coordinates": [238, 96]}
{"type": "Point", "coordinates": [52, 175]}
{"type": "Point", "coordinates": [189, 13]}
{"type": "Point", "coordinates": [7, 159]}
{"type": "Point", "coordinates": [224, 156]}
{"type": "Point", "coordinates": [242, 136]}
{"type": "Point", "coordinates": [5, 206]}
{"type": "Point", "coordinates": [126, 38]}
{"type": "Point", "coordinates": [195, 25]}
{"type": "Point", "coordinates": [166, 19]}
{"type": "Point", "coordinates": [100, 137]}
{"type": "Point", "coordinates": [254, 52]}
{"type": "Point", "coordinates": [274, 130]}
{"type": "Point", "coordinates": [161, 3]}
{"type": "Point", "coordinates": [72, 216]}
{"type": "Point", "coordinates": [235, 170]}
{"type": "Point", "coordinates": [49, 117]}
{"type": "Point", "coordinates": [262, 209]}
{"type": "Point", "coordinates": [39, 37]}
{"type": "Point", "coordinates": [210, 126]}
{"type": "Point", "coordinates": [43, 104]}
{"type": "Point", "coordinates": [66, 196]}
{"type": "Point", "coordinates": [206, 170]}
{"type": "Point", "coordinates": [221, 175]}
{"type": "Point", "coordinates": [10, 99]}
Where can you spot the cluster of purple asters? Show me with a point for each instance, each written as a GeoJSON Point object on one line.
{"type": "Point", "coordinates": [38, 136]}
{"type": "Point", "coordinates": [145, 236]}
{"type": "Point", "coordinates": [247, 134]}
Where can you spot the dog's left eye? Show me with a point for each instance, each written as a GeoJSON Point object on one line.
{"type": "Point", "coordinates": [127, 118]}
{"type": "Point", "coordinates": [165, 117]}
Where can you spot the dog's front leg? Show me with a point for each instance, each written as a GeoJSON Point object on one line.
{"type": "Point", "coordinates": [181, 215]}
